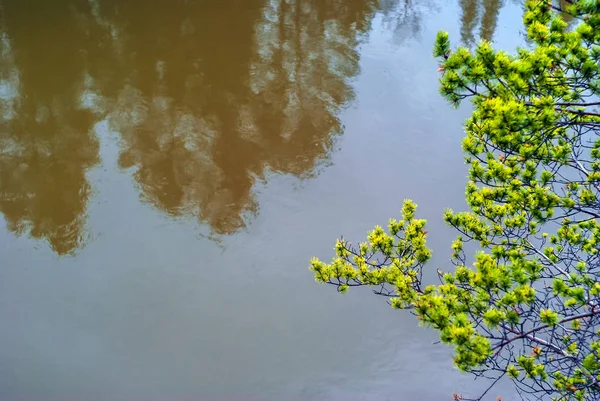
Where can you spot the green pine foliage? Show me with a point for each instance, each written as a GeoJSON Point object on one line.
{"type": "Point", "coordinates": [527, 307]}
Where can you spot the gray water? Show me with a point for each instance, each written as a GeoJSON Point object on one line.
{"type": "Point", "coordinates": [167, 169]}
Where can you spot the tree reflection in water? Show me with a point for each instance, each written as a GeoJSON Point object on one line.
{"type": "Point", "coordinates": [472, 17]}
{"type": "Point", "coordinates": [207, 96]}
{"type": "Point", "coordinates": [46, 144]}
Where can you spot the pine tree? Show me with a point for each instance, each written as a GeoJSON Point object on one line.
{"type": "Point", "coordinates": [528, 306]}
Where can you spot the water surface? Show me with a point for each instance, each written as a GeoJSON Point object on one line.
{"type": "Point", "coordinates": [167, 168]}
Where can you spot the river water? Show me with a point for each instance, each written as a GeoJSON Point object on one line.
{"type": "Point", "coordinates": [167, 169]}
